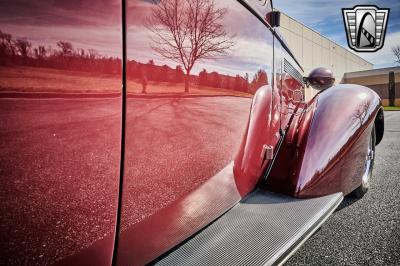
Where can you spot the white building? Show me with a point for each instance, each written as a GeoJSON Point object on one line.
{"type": "Point", "coordinates": [313, 50]}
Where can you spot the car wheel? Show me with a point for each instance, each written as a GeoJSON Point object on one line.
{"type": "Point", "coordinates": [368, 167]}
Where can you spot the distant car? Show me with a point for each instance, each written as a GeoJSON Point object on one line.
{"type": "Point", "coordinates": [172, 132]}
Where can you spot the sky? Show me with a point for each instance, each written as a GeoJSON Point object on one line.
{"type": "Point", "coordinates": [326, 18]}
{"type": "Point", "coordinates": [252, 49]}
{"type": "Point", "coordinates": [96, 24]}
{"type": "Point", "coordinates": [87, 24]}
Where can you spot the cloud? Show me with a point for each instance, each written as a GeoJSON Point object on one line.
{"type": "Point", "coordinates": [384, 57]}
{"type": "Point", "coordinates": [87, 24]}
{"type": "Point", "coordinates": [251, 52]}
{"type": "Point", "coordinates": [248, 53]}
{"type": "Point", "coordinates": [61, 13]}
{"type": "Point", "coordinates": [325, 17]}
{"type": "Point", "coordinates": [313, 12]}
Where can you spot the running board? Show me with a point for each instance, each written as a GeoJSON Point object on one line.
{"type": "Point", "coordinates": [264, 229]}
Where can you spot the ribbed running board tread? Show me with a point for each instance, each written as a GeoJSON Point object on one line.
{"type": "Point", "coordinates": [261, 230]}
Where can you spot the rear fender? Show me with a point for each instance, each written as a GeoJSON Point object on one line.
{"type": "Point", "coordinates": [325, 148]}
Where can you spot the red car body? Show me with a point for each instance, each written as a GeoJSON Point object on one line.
{"type": "Point", "coordinates": [108, 157]}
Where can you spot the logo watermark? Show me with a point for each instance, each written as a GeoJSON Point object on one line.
{"type": "Point", "coordinates": [365, 27]}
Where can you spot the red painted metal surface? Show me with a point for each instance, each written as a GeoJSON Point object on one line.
{"type": "Point", "coordinates": [336, 147]}
{"type": "Point", "coordinates": [174, 223]}
{"type": "Point", "coordinates": [328, 153]}
{"type": "Point", "coordinates": [263, 129]}
{"type": "Point", "coordinates": [60, 129]}
{"type": "Point", "coordinates": [183, 130]}
{"type": "Point", "coordinates": [201, 125]}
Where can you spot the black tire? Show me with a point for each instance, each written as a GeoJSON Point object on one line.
{"type": "Point", "coordinates": [368, 168]}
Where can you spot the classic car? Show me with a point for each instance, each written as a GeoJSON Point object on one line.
{"type": "Point", "coordinates": [169, 132]}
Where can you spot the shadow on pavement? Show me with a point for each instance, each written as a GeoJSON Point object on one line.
{"type": "Point", "coordinates": [347, 201]}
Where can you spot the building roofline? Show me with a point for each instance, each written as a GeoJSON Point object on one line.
{"type": "Point", "coordinates": [371, 72]}
{"type": "Point", "coordinates": [347, 49]}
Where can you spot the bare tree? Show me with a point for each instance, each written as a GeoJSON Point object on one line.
{"type": "Point", "coordinates": [259, 79]}
{"type": "Point", "coordinates": [65, 47]}
{"type": "Point", "coordinates": [7, 47]}
{"type": "Point", "coordinates": [361, 112]}
{"type": "Point", "coordinates": [93, 54]}
{"type": "Point", "coordinates": [23, 47]}
{"type": "Point", "coordinates": [40, 52]}
{"type": "Point", "coordinates": [187, 31]}
{"type": "Point", "coordinates": [396, 52]}
{"type": "Point", "coordinates": [81, 53]}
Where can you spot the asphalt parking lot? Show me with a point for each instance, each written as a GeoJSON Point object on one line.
{"type": "Point", "coordinates": [365, 231]}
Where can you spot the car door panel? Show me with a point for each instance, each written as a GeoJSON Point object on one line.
{"type": "Point", "coordinates": [60, 124]}
{"type": "Point", "coordinates": [183, 131]}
